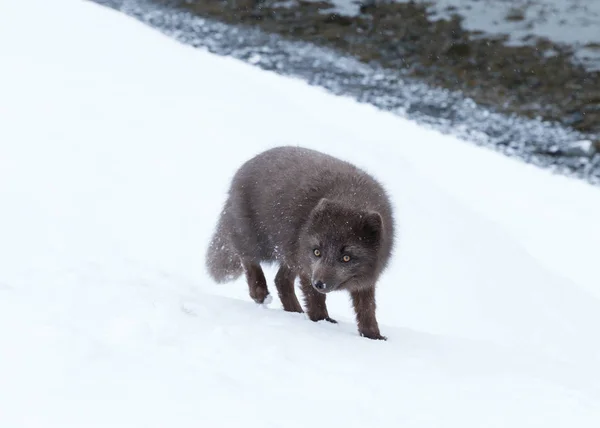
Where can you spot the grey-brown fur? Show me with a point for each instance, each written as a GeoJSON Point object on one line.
{"type": "Point", "coordinates": [285, 203]}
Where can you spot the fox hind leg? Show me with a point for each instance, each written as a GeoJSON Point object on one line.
{"type": "Point", "coordinates": [257, 284]}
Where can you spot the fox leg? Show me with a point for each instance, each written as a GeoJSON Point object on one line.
{"type": "Point", "coordinates": [257, 284]}
{"type": "Point", "coordinates": [314, 301]}
{"type": "Point", "coordinates": [364, 306]}
{"type": "Point", "coordinates": [284, 281]}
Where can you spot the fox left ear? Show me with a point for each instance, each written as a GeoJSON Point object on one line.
{"type": "Point", "coordinates": [372, 223]}
{"type": "Point", "coordinates": [322, 205]}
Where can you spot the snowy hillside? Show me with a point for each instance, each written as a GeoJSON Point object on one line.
{"type": "Point", "coordinates": [116, 148]}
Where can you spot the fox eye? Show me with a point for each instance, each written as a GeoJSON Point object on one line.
{"type": "Point", "coordinates": [346, 258]}
{"type": "Point", "coordinates": [317, 252]}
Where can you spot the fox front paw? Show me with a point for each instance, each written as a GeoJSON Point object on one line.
{"type": "Point", "coordinates": [321, 317]}
{"type": "Point", "coordinates": [374, 335]}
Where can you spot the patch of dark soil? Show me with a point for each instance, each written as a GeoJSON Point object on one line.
{"type": "Point", "coordinates": [541, 80]}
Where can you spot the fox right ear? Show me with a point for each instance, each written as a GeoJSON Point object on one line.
{"type": "Point", "coordinates": [372, 224]}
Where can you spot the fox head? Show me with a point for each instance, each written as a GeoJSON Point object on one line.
{"type": "Point", "coordinates": [339, 246]}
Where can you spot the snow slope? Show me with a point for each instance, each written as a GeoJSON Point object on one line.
{"type": "Point", "coordinates": [116, 147]}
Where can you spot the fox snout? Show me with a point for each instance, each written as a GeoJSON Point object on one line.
{"type": "Point", "coordinates": [324, 282]}
{"type": "Point", "coordinates": [327, 275]}
{"type": "Point", "coordinates": [321, 286]}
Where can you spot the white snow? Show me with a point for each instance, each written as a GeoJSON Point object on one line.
{"type": "Point", "coordinates": [340, 7]}
{"type": "Point", "coordinates": [116, 148]}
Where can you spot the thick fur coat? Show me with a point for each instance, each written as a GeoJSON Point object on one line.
{"type": "Point", "coordinates": [320, 218]}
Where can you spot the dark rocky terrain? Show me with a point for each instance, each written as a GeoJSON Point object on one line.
{"type": "Point", "coordinates": [525, 80]}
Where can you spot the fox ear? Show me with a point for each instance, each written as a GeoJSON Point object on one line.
{"type": "Point", "coordinates": [372, 224]}
{"type": "Point", "coordinates": [320, 208]}
{"type": "Point", "coordinates": [323, 202]}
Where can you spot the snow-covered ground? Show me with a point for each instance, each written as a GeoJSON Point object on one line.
{"type": "Point", "coordinates": [572, 22]}
{"type": "Point", "coordinates": [116, 147]}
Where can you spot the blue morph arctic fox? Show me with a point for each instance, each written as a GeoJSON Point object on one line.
{"type": "Point", "coordinates": [320, 218]}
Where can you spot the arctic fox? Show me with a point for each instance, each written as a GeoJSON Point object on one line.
{"type": "Point", "coordinates": [320, 218]}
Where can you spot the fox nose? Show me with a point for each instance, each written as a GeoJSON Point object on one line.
{"type": "Point", "coordinates": [319, 285]}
